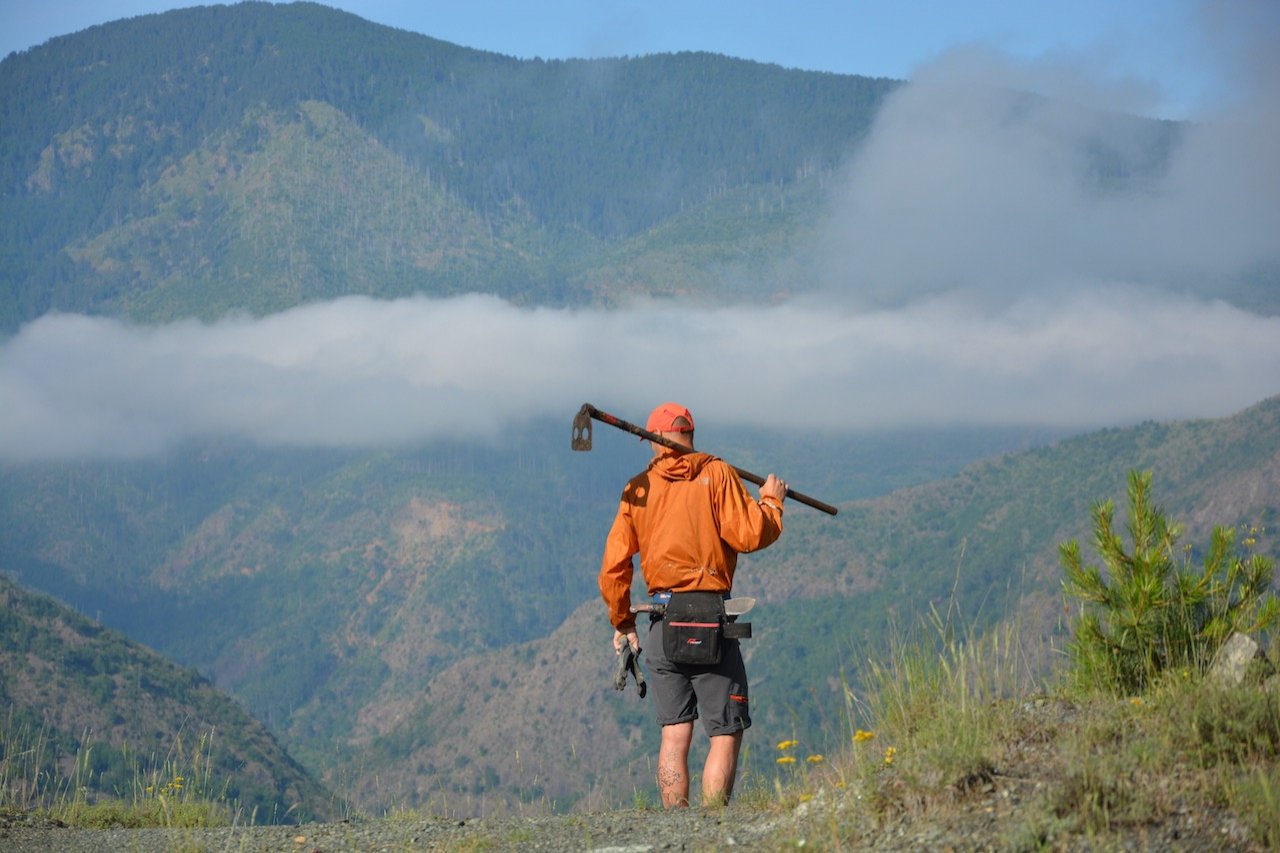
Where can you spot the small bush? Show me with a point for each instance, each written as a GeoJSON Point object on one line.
{"type": "Point", "coordinates": [1151, 612]}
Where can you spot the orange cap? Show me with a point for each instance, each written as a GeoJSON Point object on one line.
{"type": "Point", "coordinates": [662, 419]}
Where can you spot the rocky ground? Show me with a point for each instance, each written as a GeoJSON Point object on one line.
{"type": "Point", "coordinates": [988, 822]}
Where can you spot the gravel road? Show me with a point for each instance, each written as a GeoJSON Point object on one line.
{"type": "Point", "coordinates": [630, 830]}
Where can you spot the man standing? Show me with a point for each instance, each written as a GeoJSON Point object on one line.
{"type": "Point", "coordinates": [688, 515]}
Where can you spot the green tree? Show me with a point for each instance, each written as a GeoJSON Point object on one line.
{"type": "Point", "coordinates": [1152, 611]}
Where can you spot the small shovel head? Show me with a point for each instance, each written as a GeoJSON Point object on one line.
{"type": "Point", "coordinates": [582, 429]}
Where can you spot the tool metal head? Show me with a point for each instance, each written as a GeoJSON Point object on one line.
{"type": "Point", "coordinates": [582, 429]}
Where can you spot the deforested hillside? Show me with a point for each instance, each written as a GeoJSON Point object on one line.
{"type": "Point", "coordinates": [346, 598]}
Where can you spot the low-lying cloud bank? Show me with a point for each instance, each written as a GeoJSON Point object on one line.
{"type": "Point", "coordinates": [360, 372]}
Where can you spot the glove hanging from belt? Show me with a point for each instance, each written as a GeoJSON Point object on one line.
{"type": "Point", "coordinates": [629, 663]}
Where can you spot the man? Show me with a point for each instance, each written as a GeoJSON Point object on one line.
{"type": "Point", "coordinates": [688, 515]}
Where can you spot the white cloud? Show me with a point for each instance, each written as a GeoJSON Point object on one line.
{"type": "Point", "coordinates": [359, 372]}
{"type": "Point", "coordinates": [967, 183]}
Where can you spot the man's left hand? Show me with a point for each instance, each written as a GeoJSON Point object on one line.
{"type": "Point", "coordinates": [775, 488]}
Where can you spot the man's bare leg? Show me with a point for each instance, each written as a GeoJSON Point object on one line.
{"type": "Point", "coordinates": [721, 769]}
{"type": "Point", "coordinates": [673, 765]}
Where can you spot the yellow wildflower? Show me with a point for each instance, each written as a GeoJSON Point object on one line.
{"type": "Point", "coordinates": [787, 744]}
{"type": "Point", "coordinates": [815, 759]}
{"type": "Point", "coordinates": [889, 753]}
{"type": "Point", "coordinates": [787, 759]}
{"type": "Point", "coordinates": [859, 736]}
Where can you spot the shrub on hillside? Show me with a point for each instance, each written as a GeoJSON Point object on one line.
{"type": "Point", "coordinates": [1153, 611]}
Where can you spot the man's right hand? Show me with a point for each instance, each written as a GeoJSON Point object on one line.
{"type": "Point", "coordinates": [631, 637]}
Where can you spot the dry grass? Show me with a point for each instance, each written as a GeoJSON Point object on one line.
{"type": "Point", "coordinates": [174, 791]}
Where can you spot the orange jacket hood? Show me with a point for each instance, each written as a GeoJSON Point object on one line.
{"type": "Point", "coordinates": [679, 466]}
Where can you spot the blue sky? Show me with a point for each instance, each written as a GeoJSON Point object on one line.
{"type": "Point", "coordinates": [1163, 48]}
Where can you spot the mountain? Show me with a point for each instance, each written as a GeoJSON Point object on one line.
{"type": "Point", "coordinates": [257, 156]}
{"type": "Point", "coordinates": [87, 693]}
{"type": "Point", "coordinates": [142, 163]}
{"type": "Point", "coordinates": [423, 626]}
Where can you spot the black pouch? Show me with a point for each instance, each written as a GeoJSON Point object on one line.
{"type": "Point", "coordinates": [693, 628]}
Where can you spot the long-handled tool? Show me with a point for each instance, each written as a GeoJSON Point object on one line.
{"type": "Point", "coordinates": [582, 441]}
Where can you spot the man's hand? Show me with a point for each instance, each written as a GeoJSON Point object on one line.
{"type": "Point", "coordinates": [630, 637]}
{"type": "Point", "coordinates": [627, 648]}
{"type": "Point", "coordinates": [773, 488]}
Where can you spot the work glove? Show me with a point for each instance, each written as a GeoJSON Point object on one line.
{"type": "Point", "coordinates": [629, 663]}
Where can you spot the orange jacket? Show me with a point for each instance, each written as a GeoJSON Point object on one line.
{"type": "Point", "coordinates": [688, 516]}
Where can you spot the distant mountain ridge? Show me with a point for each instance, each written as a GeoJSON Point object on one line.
{"type": "Point", "coordinates": [259, 156]}
{"type": "Point", "coordinates": [134, 154]}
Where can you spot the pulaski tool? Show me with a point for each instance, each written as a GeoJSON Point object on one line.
{"type": "Point", "coordinates": [582, 441]}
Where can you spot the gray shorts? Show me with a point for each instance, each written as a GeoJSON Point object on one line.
{"type": "Point", "coordinates": [684, 692]}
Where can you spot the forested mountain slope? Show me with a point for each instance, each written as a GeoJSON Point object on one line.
{"type": "Point", "coordinates": [73, 691]}
{"type": "Point", "coordinates": [143, 163]}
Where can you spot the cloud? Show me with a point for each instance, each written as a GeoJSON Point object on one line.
{"type": "Point", "coordinates": [971, 180]}
{"type": "Point", "coordinates": [364, 373]}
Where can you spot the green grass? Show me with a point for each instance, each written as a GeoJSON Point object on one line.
{"type": "Point", "coordinates": [948, 730]}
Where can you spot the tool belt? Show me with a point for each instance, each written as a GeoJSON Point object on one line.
{"type": "Point", "coordinates": [695, 627]}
